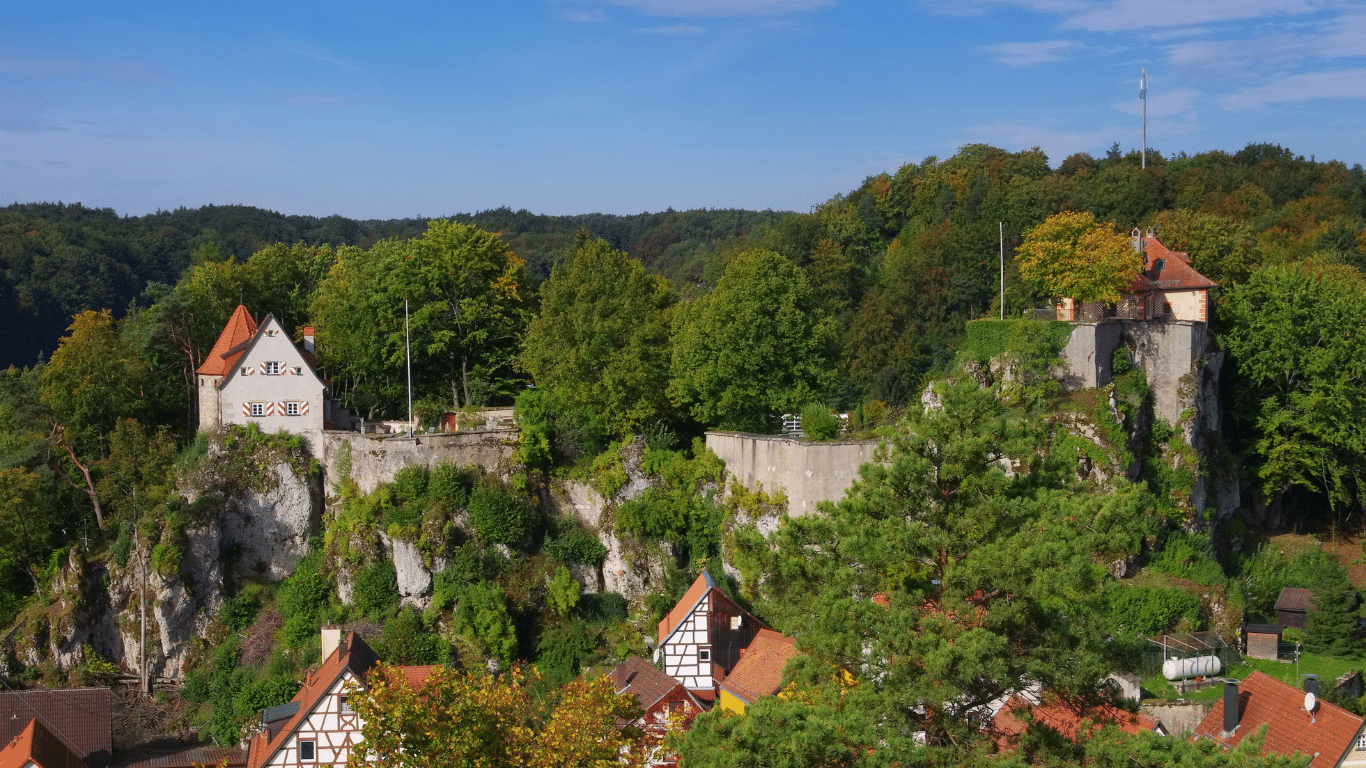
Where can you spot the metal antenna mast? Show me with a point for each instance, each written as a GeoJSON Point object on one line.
{"type": "Point", "coordinates": [1143, 95]}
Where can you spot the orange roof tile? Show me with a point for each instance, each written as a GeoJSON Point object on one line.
{"type": "Point", "coordinates": [1063, 716]}
{"type": "Point", "coordinates": [35, 743]}
{"type": "Point", "coordinates": [1264, 699]}
{"type": "Point", "coordinates": [647, 683]}
{"type": "Point", "coordinates": [78, 716]}
{"type": "Point", "coordinates": [239, 330]}
{"type": "Point", "coordinates": [1174, 274]}
{"type": "Point", "coordinates": [760, 671]}
{"type": "Point", "coordinates": [685, 605]}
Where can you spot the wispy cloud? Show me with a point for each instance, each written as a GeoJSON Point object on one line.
{"type": "Point", "coordinates": [1343, 84]}
{"type": "Point", "coordinates": [1341, 37]}
{"type": "Point", "coordinates": [323, 101]}
{"type": "Point", "coordinates": [674, 29]}
{"type": "Point", "coordinates": [581, 16]}
{"type": "Point", "coordinates": [1030, 54]}
{"type": "Point", "coordinates": [24, 112]}
{"type": "Point", "coordinates": [132, 72]}
{"type": "Point", "coordinates": [309, 50]}
{"type": "Point", "coordinates": [721, 7]}
{"type": "Point", "coordinates": [1143, 14]}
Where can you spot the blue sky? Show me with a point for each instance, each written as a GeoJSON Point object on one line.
{"type": "Point", "coordinates": [622, 106]}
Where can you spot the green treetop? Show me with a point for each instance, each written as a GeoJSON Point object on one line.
{"type": "Point", "coordinates": [1070, 256]}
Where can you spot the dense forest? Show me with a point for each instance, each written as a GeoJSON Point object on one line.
{"type": "Point", "coordinates": [619, 339]}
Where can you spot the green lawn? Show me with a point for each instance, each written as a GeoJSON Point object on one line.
{"type": "Point", "coordinates": [1327, 668]}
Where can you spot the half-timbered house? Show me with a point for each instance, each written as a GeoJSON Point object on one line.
{"type": "Point", "coordinates": [701, 639]}
{"type": "Point", "coordinates": [255, 373]}
{"type": "Point", "coordinates": [317, 727]}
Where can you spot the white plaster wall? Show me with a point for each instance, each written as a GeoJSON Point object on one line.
{"type": "Point", "coordinates": [1185, 304]}
{"type": "Point", "coordinates": [259, 387]}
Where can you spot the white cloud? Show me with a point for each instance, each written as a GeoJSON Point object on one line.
{"type": "Point", "coordinates": [1180, 102]}
{"type": "Point", "coordinates": [579, 16]}
{"type": "Point", "coordinates": [1341, 37]}
{"type": "Point", "coordinates": [1343, 84]}
{"type": "Point", "coordinates": [1030, 54]}
{"type": "Point", "coordinates": [675, 29]}
{"type": "Point", "coordinates": [721, 7]}
{"type": "Point", "coordinates": [978, 7]}
{"type": "Point", "coordinates": [134, 72]}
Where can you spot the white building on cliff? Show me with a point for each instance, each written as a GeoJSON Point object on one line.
{"type": "Point", "coordinates": [256, 374]}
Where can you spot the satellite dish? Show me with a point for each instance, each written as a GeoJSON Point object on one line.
{"type": "Point", "coordinates": [1309, 701]}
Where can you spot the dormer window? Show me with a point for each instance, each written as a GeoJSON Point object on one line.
{"type": "Point", "coordinates": [1159, 264]}
{"type": "Point", "coordinates": [273, 368]}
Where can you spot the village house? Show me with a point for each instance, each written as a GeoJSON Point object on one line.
{"type": "Point", "coordinates": [317, 727]}
{"type": "Point", "coordinates": [36, 747]}
{"type": "Point", "coordinates": [1329, 733]}
{"type": "Point", "coordinates": [760, 671]}
{"type": "Point", "coordinates": [77, 718]}
{"type": "Point", "coordinates": [664, 700]}
{"type": "Point", "coordinates": [700, 640]}
{"type": "Point", "coordinates": [1064, 717]}
{"type": "Point", "coordinates": [255, 373]}
{"type": "Point", "coordinates": [1167, 288]}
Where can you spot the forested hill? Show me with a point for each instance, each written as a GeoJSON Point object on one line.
{"type": "Point", "coordinates": [60, 259]}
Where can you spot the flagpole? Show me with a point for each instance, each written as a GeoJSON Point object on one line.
{"type": "Point", "coordinates": [1143, 95]}
{"type": "Point", "coordinates": [408, 359]}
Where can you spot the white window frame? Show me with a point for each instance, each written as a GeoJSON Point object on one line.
{"type": "Point", "coordinates": [704, 653]}
{"type": "Point", "coordinates": [312, 746]}
{"type": "Point", "coordinates": [274, 368]}
{"type": "Point", "coordinates": [1361, 743]}
{"type": "Point", "coordinates": [292, 408]}
{"type": "Point", "coordinates": [345, 707]}
{"type": "Point", "coordinates": [257, 409]}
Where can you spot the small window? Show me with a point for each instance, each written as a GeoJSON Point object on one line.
{"type": "Point", "coordinates": [1167, 308]}
{"type": "Point", "coordinates": [246, 370]}
{"type": "Point", "coordinates": [292, 409]}
{"type": "Point", "coordinates": [1361, 744]}
{"type": "Point", "coordinates": [1159, 264]}
{"type": "Point", "coordinates": [675, 706]}
{"type": "Point", "coordinates": [704, 654]}
{"type": "Point", "coordinates": [273, 368]}
{"type": "Point", "coordinates": [258, 409]}
{"type": "Point", "coordinates": [307, 750]}
{"type": "Point", "coordinates": [296, 370]}
{"type": "Point", "coordinates": [272, 332]}
{"type": "Point", "coordinates": [345, 706]}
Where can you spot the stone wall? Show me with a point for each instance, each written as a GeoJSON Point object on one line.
{"type": "Point", "coordinates": [1177, 717]}
{"type": "Point", "coordinates": [375, 459]}
{"type": "Point", "coordinates": [1168, 351]}
{"type": "Point", "coordinates": [808, 472]}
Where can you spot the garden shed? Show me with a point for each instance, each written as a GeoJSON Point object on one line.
{"type": "Point", "coordinates": [1293, 607]}
{"type": "Point", "coordinates": [1262, 641]}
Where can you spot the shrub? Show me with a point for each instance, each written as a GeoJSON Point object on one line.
{"type": "Point", "coordinates": [1189, 556]}
{"type": "Point", "coordinates": [564, 592]}
{"type": "Point", "coordinates": [1148, 611]}
{"type": "Point", "coordinates": [123, 545]}
{"type": "Point", "coordinates": [239, 612]}
{"type": "Point", "coordinates": [603, 607]}
{"type": "Point", "coordinates": [405, 642]}
{"type": "Point", "coordinates": [410, 484]}
{"type": "Point", "coordinates": [576, 546]}
{"type": "Point", "coordinates": [874, 410]}
{"type": "Point", "coordinates": [302, 599]}
{"type": "Point", "coordinates": [448, 484]}
{"type": "Point", "coordinates": [376, 588]}
{"type": "Point", "coordinates": [819, 423]}
{"type": "Point", "coordinates": [564, 650]}
{"type": "Point", "coordinates": [499, 517]}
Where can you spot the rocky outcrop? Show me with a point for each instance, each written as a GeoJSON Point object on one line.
{"type": "Point", "coordinates": [270, 529]}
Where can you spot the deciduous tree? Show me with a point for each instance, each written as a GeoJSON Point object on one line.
{"type": "Point", "coordinates": [1070, 256]}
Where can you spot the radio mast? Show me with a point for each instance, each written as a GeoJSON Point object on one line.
{"type": "Point", "coordinates": [1143, 95]}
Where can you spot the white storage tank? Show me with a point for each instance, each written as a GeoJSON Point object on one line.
{"type": "Point", "coordinates": [1199, 666]}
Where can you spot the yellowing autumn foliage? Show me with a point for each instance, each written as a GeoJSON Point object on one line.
{"type": "Point", "coordinates": [1070, 256]}
{"type": "Point", "coordinates": [459, 720]}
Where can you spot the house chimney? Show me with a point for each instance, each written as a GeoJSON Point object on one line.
{"type": "Point", "coordinates": [1230, 705]}
{"type": "Point", "coordinates": [1311, 684]}
{"type": "Point", "coordinates": [308, 338]}
{"type": "Point", "coordinates": [331, 639]}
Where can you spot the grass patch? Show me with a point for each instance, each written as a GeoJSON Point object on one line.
{"type": "Point", "coordinates": [1328, 668]}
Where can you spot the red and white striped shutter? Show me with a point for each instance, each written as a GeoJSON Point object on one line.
{"type": "Point", "coordinates": [246, 409]}
{"type": "Point", "coordinates": [303, 408]}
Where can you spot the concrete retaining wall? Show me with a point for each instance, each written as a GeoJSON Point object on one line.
{"type": "Point", "coordinates": [375, 460]}
{"type": "Point", "coordinates": [809, 472]}
{"type": "Point", "coordinates": [1177, 717]}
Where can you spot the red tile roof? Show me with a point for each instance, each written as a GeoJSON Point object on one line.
{"type": "Point", "coordinates": [77, 716]}
{"type": "Point", "coordinates": [209, 756]}
{"type": "Point", "coordinates": [1264, 699]}
{"type": "Point", "coordinates": [647, 683]}
{"type": "Point", "coordinates": [760, 671]}
{"type": "Point", "coordinates": [1174, 274]}
{"type": "Point", "coordinates": [1063, 716]}
{"type": "Point", "coordinates": [695, 593]}
{"type": "Point", "coordinates": [224, 355]}
{"type": "Point", "coordinates": [35, 743]}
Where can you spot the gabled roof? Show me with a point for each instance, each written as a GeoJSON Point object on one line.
{"type": "Point", "coordinates": [240, 328]}
{"type": "Point", "coordinates": [192, 757]}
{"type": "Point", "coordinates": [686, 604]}
{"type": "Point", "coordinates": [1264, 699]}
{"type": "Point", "coordinates": [648, 684]}
{"type": "Point", "coordinates": [760, 671]}
{"type": "Point", "coordinates": [1295, 599]}
{"type": "Point", "coordinates": [1167, 270]}
{"type": "Point", "coordinates": [352, 655]}
{"type": "Point", "coordinates": [1063, 716]}
{"type": "Point", "coordinates": [234, 355]}
{"type": "Point", "coordinates": [79, 717]}
{"type": "Point", "coordinates": [37, 744]}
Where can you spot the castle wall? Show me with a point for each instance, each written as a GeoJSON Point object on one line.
{"type": "Point", "coordinates": [808, 472]}
{"type": "Point", "coordinates": [375, 460]}
{"type": "Point", "coordinates": [1167, 350]}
